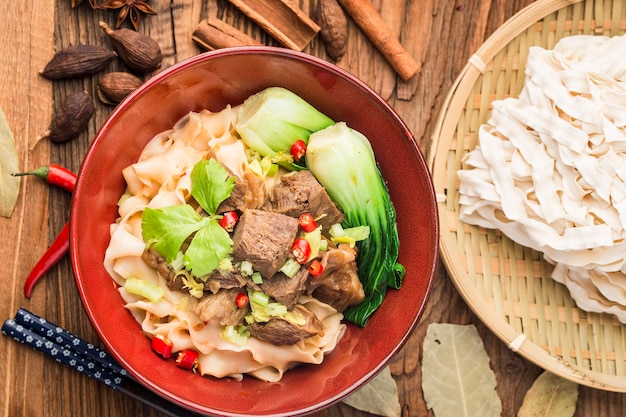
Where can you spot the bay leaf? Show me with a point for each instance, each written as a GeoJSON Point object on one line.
{"type": "Point", "coordinates": [550, 396]}
{"type": "Point", "coordinates": [9, 184]}
{"type": "Point", "coordinates": [379, 396]}
{"type": "Point", "coordinates": [457, 380]}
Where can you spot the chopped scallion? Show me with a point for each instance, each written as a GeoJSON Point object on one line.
{"type": "Point", "coordinates": [145, 289]}
{"type": "Point", "coordinates": [290, 267]}
{"type": "Point", "coordinates": [235, 334]}
{"type": "Point", "coordinates": [257, 278]}
{"type": "Point", "coordinates": [246, 268]}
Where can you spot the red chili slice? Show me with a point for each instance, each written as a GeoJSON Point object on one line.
{"type": "Point", "coordinates": [298, 149]}
{"type": "Point", "coordinates": [162, 346]}
{"type": "Point", "coordinates": [187, 359]}
{"type": "Point", "coordinates": [307, 222]}
{"type": "Point", "coordinates": [315, 268]}
{"type": "Point", "coordinates": [229, 221]}
{"type": "Point", "coordinates": [242, 300]}
{"type": "Point", "coordinates": [301, 249]}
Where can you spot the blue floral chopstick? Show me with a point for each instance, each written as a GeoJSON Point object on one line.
{"type": "Point", "coordinates": [68, 349]}
{"type": "Point", "coordinates": [60, 353]}
{"type": "Point", "coordinates": [68, 340]}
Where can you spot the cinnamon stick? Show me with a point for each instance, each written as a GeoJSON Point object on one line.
{"type": "Point", "coordinates": [371, 23]}
{"type": "Point", "coordinates": [282, 20]}
{"type": "Point", "coordinates": [213, 33]}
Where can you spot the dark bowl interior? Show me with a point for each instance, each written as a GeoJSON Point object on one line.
{"type": "Point", "coordinates": [211, 81]}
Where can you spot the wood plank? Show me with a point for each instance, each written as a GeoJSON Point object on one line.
{"type": "Point", "coordinates": [26, 102]}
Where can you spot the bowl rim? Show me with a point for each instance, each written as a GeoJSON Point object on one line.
{"type": "Point", "coordinates": [346, 76]}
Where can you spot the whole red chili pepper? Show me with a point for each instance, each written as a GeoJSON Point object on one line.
{"type": "Point", "coordinates": [54, 174]}
{"type": "Point", "coordinates": [62, 177]}
{"type": "Point", "coordinates": [59, 247]}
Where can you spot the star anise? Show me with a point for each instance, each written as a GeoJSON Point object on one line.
{"type": "Point", "coordinates": [131, 9]}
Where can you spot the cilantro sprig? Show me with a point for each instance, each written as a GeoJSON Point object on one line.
{"type": "Point", "coordinates": [166, 229]}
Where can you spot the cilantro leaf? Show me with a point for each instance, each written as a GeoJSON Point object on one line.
{"type": "Point", "coordinates": [166, 229]}
{"type": "Point", "coordinates": [209, 246]}
{"type": "Point", "coordinates": [210, 184]}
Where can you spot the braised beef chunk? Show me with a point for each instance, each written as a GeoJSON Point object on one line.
{"type": "Point", "coordinates": [300, 192]}
{"type": "Point", "coordinates": [221, 307]}
{"type": "Point", "coordinates": [339, 284]}
{"type": "Point", "coordinates": [156, 261]}
{"type": "Point", "coordinates": [286, 290]}
{"type": "Point", "coordinates": [223, 280]}
{"type": "Point", "coordinates": [249, 193]}
{"type": "Point", "coordinates": [264, 239]}
{"type": "Point", "coordinates": [279, 331]}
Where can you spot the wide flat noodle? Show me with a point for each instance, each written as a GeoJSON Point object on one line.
{"type": "Point", "coordinates": [549, 170]}
{"type": "Point", "coordinates": [161, 178]}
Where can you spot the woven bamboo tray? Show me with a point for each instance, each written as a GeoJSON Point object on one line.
{"type": "Point", "coordinates": [506, 285]}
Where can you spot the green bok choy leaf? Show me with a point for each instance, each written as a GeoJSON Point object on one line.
{"type": "Point", "coordinates": [343, 161]}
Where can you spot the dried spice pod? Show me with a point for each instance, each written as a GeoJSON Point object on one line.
{"type": "Point", "coordinates": [77, 61]}
{"type": "Point", "coordinates": [139, 52]}
{"type": "Point", "coordinates": [71, 117]}
{"type": "Point", "coordinates": [115, 86]}
{"type": "Point", "coordinates": [334, 27]}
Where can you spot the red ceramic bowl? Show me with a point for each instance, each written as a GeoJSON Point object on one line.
{"type": "Point", "coordinates": [212, 81]}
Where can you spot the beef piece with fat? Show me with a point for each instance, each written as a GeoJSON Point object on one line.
{"type": "Point", "coordinates": [300, 192]}
{"type": "Point", "coordinates": [156, 261]}
{"type": "Point", "coordinates": [249, 193]}
{"type": "Point", "coordinates": [339, 283]}
{"type": "Point", "coordinates": [222, 307]}
{"type": "Point", "coordinates": [219, 280]}
{"type": "Point", "coordinates": [279, 331]}
{"type": "Point", "coordinates": [285, 290]}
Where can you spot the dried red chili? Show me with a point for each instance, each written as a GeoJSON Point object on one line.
{"type": "Point", "coordinates": [307, 222]}
{"type": "Point", "coordinates": [54, 174]}
{"type": "Point", "coordinates": [162, 346]}
{"type": "Point", "coordinates": [59, 247]}
{"type": "Point", "coordinates": [187, 359]}
{"type": "Point", "coordinates": [298, 149]}
{"type": "Point", "coordinates": [301, 249]}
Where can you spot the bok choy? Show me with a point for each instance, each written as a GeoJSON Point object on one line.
{"type": "Point", "coordinates": [270, 121]}
{"type": "Point", "coordinates": [343, 161]}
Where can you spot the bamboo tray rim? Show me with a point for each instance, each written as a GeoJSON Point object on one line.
{"type": "Point", "coordinates": [451, 253]}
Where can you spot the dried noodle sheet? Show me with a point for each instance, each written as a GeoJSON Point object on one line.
{"type": "Point", "coordinates": [549, 170]}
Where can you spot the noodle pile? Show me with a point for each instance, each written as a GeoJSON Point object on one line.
{"type": "Point", "coordinates": [161, 178]}
{"type": "Point", "coordinates": [550, 168]}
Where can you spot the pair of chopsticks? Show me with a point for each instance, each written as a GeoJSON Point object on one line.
{"type": "Point", "coordinates": [68, 349]}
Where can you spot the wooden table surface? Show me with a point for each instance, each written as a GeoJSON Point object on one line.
{"type": "Point", "coordinates": [440, 34]}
